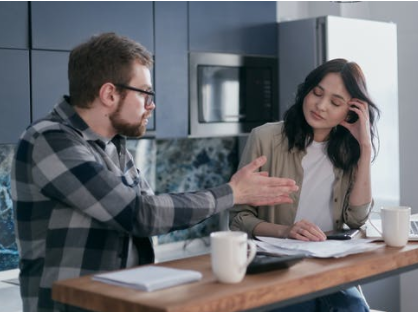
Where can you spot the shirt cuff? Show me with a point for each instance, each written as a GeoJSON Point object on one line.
{"type": "Point", "coordinates": [224, 197]}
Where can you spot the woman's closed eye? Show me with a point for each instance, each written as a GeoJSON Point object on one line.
{"type": "Point", "coordinates": [318, 91]}
{"type": "Point", "coordinates": [337, 101]}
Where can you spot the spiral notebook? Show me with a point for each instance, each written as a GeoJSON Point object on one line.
{"type": "Point", "coordinates": [149, 278]}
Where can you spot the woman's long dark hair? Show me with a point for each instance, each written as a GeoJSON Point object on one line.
{"type": "Point", "coordinates": [342, 148]}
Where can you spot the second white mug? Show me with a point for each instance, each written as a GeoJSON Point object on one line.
{"type": "Point", "coordinates": [395, 225]}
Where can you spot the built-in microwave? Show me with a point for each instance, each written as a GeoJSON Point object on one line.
{"type": "Point", "coordinates": [231, 94]}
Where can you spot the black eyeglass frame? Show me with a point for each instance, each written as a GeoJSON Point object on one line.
{"type": "Point", "coordinates": [150, 94]}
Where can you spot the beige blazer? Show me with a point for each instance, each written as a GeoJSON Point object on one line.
{"type": "Point", "coordinates": [268, 140]}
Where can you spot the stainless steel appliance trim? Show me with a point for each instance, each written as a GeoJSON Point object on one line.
{"type": "Point", "coordinates": [216, 129]}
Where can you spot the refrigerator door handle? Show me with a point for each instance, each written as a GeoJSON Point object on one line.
{"type": "Point", "coordinates": [321, 39]}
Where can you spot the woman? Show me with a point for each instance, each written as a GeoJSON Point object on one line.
{"type": "Point", "coordinates": [326, 144]}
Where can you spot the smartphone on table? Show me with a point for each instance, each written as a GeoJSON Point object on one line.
{"type": "Point", "coordinates": [342, 234]}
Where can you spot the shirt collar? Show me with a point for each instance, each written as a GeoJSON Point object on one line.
{"type": "Point", "coordinates": [72, 119]}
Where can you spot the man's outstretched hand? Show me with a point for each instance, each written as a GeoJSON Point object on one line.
{"type": "Point", "coordinates": [256, 188]}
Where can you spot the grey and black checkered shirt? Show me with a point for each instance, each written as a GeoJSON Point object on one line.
{"type": "Point", "coordinates": [76, 210]}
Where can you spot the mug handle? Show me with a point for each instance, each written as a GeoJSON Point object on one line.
{"type": "Point", "coordinates": [371, 223]}
{"type": "Point", "coordinates": [252, 251]}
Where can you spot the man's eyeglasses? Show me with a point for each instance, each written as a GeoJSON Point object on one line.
{"type": "Point", "coordinates": [149, 94]}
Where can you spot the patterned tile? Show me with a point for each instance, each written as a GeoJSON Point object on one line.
{"type": "Point", "coordinates": [8, 250]}
{"type": "Point", "coordinates": [188, 165]}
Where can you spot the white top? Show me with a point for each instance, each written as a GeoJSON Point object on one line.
{"type": "Point", "coordinates": [315, 204]}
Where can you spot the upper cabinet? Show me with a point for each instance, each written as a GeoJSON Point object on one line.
{"type": "Point", "coordinates": [14, 90]}
{"type": "Point", "coordinates": [36, 38]}
{"type": "Point", "coordinates": [62, 25]}
{"type": "Point", "coordinates": [171, 69]}
{"type": "Point", "coordinates": [14, 23]}
{"type": "Point", "coordinates": [241, 27]}
{"type": "Point", "coordinates": [49, 80]}
{"type": "Point", "coordinates": [56, 31]}
{"type": "Point", "coordinates": [14, 70]}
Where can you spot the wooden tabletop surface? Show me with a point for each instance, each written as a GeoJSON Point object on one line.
{"type": "Point", "coordinates": [308, 278]}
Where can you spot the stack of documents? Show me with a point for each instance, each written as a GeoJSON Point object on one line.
{"type": "Point", "coordinates": [324, 249]}
{"type": "Point", "coordinates": [149, 278]}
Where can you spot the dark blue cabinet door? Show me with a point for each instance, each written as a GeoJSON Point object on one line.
{"type": "Point", "coordinates": [49, 80]}
{"type": "Point", "coordinates": [171, 74]}
{"type": "Point", "coordinates": [58, 25]}
{"type": "Point", "coordinates": [14, 94]}
{"type": "Point", "coordinates": [14, 23]}
{"type": "Point", "coordinates": [240, 27]}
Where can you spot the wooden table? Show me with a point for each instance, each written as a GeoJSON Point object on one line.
{"type": "Point", "coordinates": [307, 279]}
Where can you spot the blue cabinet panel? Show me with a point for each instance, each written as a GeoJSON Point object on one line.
{"type": "Point", "coordinates": [240, 27]}
{"type": "Point", "coordinates": [63, 25]}
{"type": "Point", "coordinates": [171, 69]}
{"type": "Point", "coordinates": [14, 23]}
{"type": "Point", "coordinates": [14, 94]}
{"type": "Point", "coordinates": [49, 80]}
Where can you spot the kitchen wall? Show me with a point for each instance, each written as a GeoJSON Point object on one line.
{"type": "Point", "coordinates": [395, 293]}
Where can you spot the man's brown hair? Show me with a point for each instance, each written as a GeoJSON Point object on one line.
{"type": "Point", "coordinates": [104, 58]}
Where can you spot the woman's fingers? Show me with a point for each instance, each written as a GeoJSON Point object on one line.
{"type": "Point", "coordinates": [306, 231]}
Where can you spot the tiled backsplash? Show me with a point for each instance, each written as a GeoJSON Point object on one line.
{"type": "Point", "coordinates": [8, 249]}
{"type": "Point", "coordinates": [186, 165]}
{"type": "Point", "coordinates": [169, 166]}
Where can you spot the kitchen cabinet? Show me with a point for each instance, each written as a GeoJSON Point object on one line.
{"type": "Point", "coordinates": [14, 25]}
{"type": "Point", "coordinates": [49, 80]}
{"type": "Point", "coordinates": [241, 27]}
{"type": "Point", "coordinates": [14, 91]}
{"type": "Point", "coordinates": [171, 69]}
{"type": "Point", "coordinates": [63, 25]}
{"type": "Point", "coordinates": [169, 30]}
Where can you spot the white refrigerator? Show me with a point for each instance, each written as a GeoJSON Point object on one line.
{"type": "Point", "coordinates": [305, 44]}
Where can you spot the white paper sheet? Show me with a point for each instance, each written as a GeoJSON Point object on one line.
{"type": "Point", "coordinates": [324, 249]}
{"type": "Point", "coordinates": [149, 278]}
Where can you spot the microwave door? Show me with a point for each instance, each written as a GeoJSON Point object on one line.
{"type": "Point", "coordinates": [219, 94]}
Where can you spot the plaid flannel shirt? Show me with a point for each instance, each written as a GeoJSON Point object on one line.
{"type": "Point", "coordinates": [75, 210]}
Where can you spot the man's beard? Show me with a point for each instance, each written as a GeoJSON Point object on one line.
{"type": "Point", "coordinates": [122, 127]}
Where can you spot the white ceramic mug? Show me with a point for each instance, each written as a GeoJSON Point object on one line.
{"type": "Point", "coordinates": [231, 252]}
{"type": "Point", "coordinates": [395, 225]}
